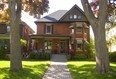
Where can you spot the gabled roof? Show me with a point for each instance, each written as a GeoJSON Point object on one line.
{"type": "Point", "coordinates": [75, 6]}
{"type": "Point", "coordinates": [59, 15]}
{"type": "Point", "coordinates": [53, 17]}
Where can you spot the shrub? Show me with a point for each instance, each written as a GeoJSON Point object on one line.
{"type": "Point", "coordinates": [39, 55]}
{"type": "Point", "coordinates": [3, 53]}
{"type": "Point", "coordinates": [76, 57]}
{"type": "Point", "coordinates": [80, 56]}
{"type": "Point", "coordinates": [112, 56]}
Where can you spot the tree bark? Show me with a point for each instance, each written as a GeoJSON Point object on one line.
{"type": "Point", "coordinates": [98, 26]}
{"type": "Point", "coordinates": [15, 47]}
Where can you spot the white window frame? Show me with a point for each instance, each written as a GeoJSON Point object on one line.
{"type": "Point", "coordinates": [79, 42]}
{"type": "Point", "coordinates": [79, 26]}
{"type": "Point", "coordinates": [46, 30]}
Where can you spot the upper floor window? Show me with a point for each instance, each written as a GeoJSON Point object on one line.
{"type": "Point", "coordinates": [8, 29]}
{"type": "Point", "coordinates": [75, 16]}
{"type": "Point", "coordinates": [71, 16]}
{"type": "Point", "coordinates": [79, 30]}
{"type": "Point", "coordinates": [72, 30]}
{"type": "Point", "coordinates": [48, 29]}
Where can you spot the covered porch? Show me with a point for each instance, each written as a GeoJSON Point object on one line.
{"type": "Point", "coordinates": [51, 43]}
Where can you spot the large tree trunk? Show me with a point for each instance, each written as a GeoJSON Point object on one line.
{"type": "Point", "coordinates": [102, 58]}
{"type": "Point", "coordinates": [15, 47]}
{"type": "Point", "coordinates": [98, 26]}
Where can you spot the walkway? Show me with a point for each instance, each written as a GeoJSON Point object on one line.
{"type": "Point", "coordinates": [58, 68]}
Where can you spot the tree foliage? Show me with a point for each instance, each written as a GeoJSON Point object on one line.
{"type": "Point", "coordinates": [34, 7]}
{"type": "Point", "coordinates": [111, 7]}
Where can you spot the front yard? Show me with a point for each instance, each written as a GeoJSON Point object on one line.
{"type": "Point", "coordinates": [31, 70]}
{"type": "Point", "coordinates": [86, 70]}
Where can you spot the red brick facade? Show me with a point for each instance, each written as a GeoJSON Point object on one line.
{"type": "Point", "coordinates": [61, 35]}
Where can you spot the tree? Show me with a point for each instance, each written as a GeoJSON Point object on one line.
{"type": "Point", "coordinates": [98, 27]}
{"type": "Point", "coordinates": [15, 7]}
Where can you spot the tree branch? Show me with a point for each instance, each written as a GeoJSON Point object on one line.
{"type": "Point", "coordinates": [102, 11]}
{"type": "Point", "coordinates": [88, 12]}
{"type": "Point", "coordinates": [19, 7]}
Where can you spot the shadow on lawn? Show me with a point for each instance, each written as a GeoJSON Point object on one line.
{"type": "Point", "coordinates": [88, 72]}
{"type": "Point", "coordinates": [28, 72]}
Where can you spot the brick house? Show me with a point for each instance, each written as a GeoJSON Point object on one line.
{"type": "Point", "coordinates": [62, 31]}
{"type": "Point", "coordinates": [25, 31]}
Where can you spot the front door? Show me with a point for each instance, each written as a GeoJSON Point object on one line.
{"type": "Point", "coordinates": [62, 46]}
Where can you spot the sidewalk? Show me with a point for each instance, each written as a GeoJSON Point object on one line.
{"type": "Point", "coordinates": [58, 68]}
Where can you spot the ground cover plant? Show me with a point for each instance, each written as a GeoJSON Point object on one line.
{"type": "Point", "coordinates": [31, 70]}
{"type": "Point", "coordinates": [86, 70]}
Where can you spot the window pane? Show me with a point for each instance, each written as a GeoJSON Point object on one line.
{"type": "Point", "coordinates": [71, 16]}
{"type": "Point", "coordinates": [48, 29]}
{"type": "Point", "coordinates": [48, 45]}
{"type": "Point", "coordinates": [75, 16]}
{"type": "Point", "coordinates": [79, 29]}
{"type": "Point", "coordinates": [79, 46]}
{"type": "Point", "coordinates": [72, 30]}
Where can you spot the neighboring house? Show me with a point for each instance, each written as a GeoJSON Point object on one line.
{"type": "Point", "coordinates": [63, 31]}
{"type": "Point", "coordinates": [111, 38]}
{"type": "Point", "coordinates": [25, 31]}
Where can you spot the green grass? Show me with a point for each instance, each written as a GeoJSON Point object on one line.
{"type": "Point", "coordinates": [86, 70]}
{"type": "Point", "coordinates": [31, 70]}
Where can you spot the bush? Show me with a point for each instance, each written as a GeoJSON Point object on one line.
{"type": "Point", "coordinates": [39, 55]}
{"type": "Point", "coordinates": [3, 53]}
{"type": "Point", "coordinates": [112, 56]}
{"type": "Point", "coordinates": [76, 57]}
{"type": "Point", "coordinates": [80, 56]}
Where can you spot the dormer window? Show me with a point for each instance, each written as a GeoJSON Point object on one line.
{"type": "Point", "coordinates": [75, 16]}
{"type": "Point", "coordinates": [71, 16]}
{"type": "Point", "coordinates": [79, 17]}
{"type": "Point", "coordinates": [48, 29]}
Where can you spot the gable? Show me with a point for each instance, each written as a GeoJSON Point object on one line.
{"type": "Point", "coordinates": [74, 14]}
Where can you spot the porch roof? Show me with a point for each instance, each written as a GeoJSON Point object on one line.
{"type": "Point", "coordinates": [50, 36]}
{"type": "Point", "coordinates": [4, 36]}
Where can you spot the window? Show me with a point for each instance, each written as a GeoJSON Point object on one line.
{"type": "Point", "coordinates": [71, 16]}
{"type": "Point", "coordinates": [72, 30]}
{"type": "Point", "coordinates": [48, 45]}
{"type": "Point", "coordinates": [75, 16]}
{"type": "Point", "coordinates": [48, 29]}
{"type": "Point", "coordinates": [79, 46]}
{"type": "Point", "coordinates": [8, 29]}
{"type": "Point", "coordinates": [79, 43]}
{"type": "Point", "coordinates": [79, 30]}
{"type": "Point", "coordinates": [79, 17]}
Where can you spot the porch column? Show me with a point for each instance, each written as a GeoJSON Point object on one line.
{"type": "Point", "coordinates": [74, 36]}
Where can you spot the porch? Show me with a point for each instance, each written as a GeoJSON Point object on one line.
{"type": "Point", "coordinates": [56, 44]}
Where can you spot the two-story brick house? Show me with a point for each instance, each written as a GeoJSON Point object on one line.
{"type": "Point", "coordinates": [25, 31]}
{"type": "Point", "coordinates": [63, 31]}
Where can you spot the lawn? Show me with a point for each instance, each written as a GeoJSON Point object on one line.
{"type": "Point", "coordinates": [31, 70]}
{"type": "Point", "coordinates": [86, 70]}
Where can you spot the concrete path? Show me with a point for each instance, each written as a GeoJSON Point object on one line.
{"type": "Point", "coordinates": [58, 68]}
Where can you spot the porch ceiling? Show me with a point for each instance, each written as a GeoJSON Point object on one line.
{"type": "Point", "coordinates": [51, 36]}
{"type": "Point", "coordinates": [4, 36]}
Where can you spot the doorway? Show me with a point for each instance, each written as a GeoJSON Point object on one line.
{"type": "Point", "coordinates": [62, 46]}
